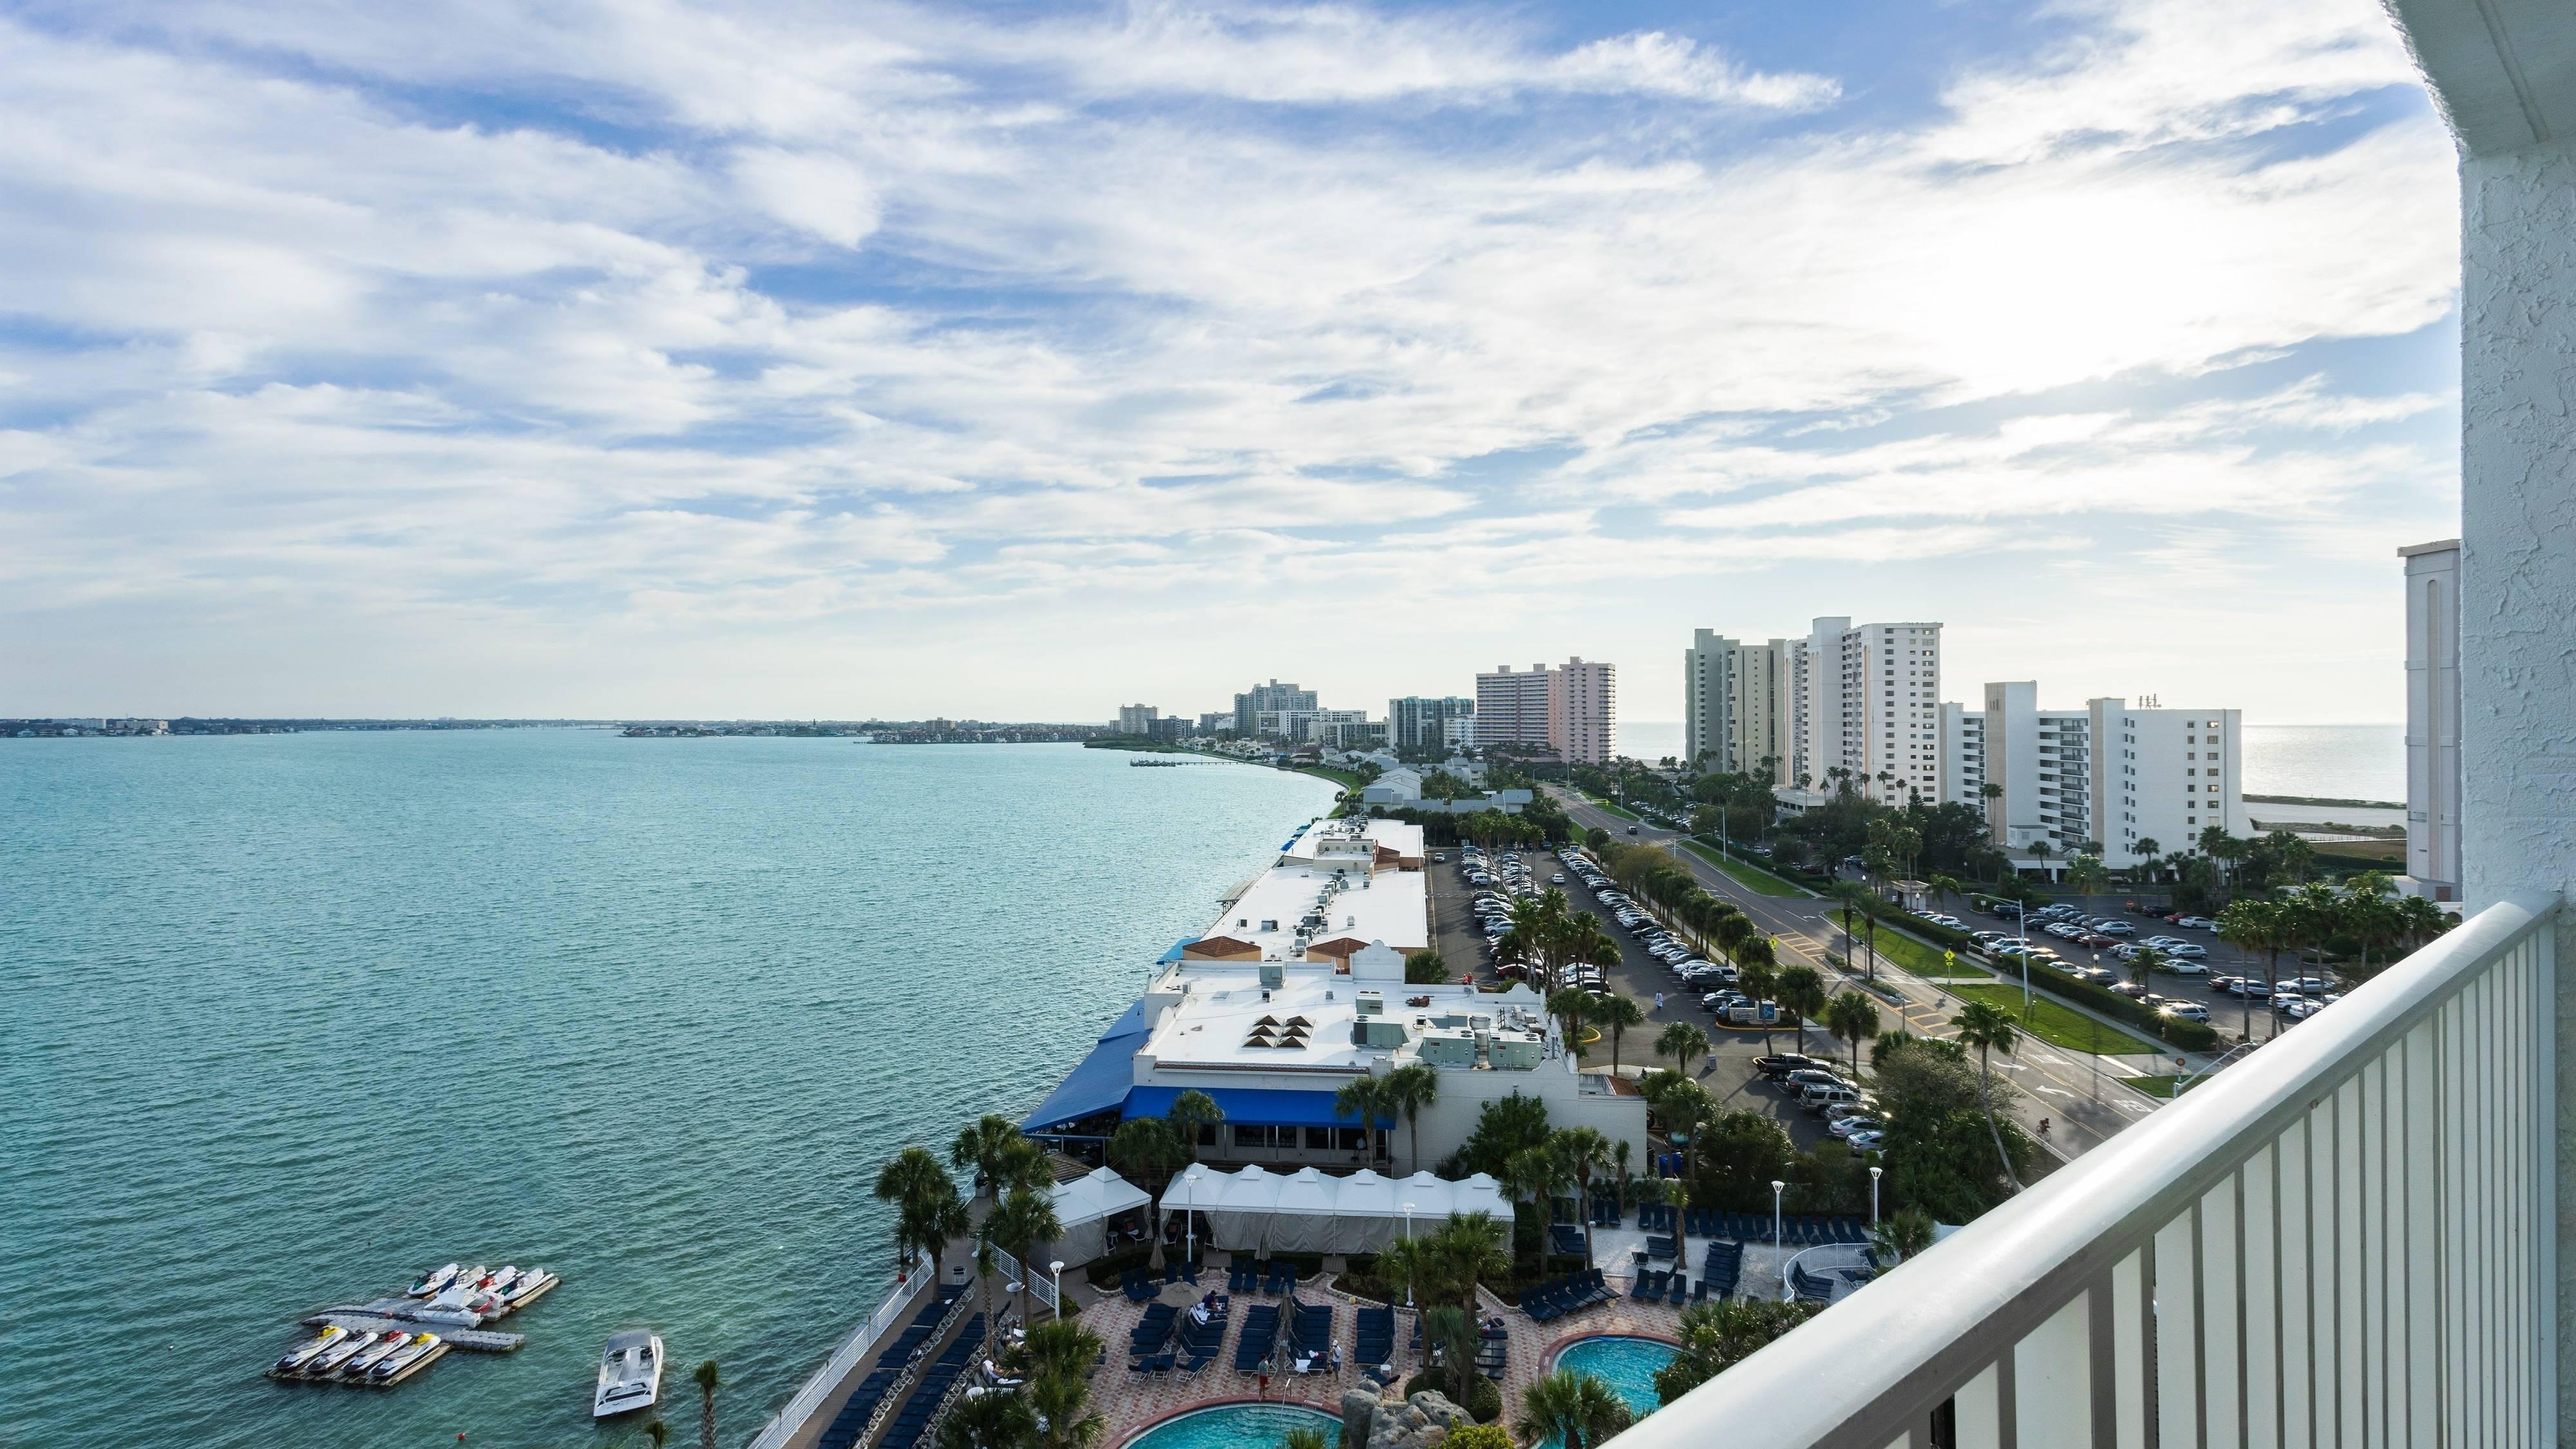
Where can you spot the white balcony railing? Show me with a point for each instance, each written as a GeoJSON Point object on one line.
{"type": "Point", "coordinates": [2347, 1238]}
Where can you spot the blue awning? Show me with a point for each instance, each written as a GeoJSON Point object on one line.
{"type": "Point", "coordinates": [1099, 1082]}
{"type": "Point", "coordinates": [1249, 1106]}
{"type": "Point", "coordinates": [1174, 954]}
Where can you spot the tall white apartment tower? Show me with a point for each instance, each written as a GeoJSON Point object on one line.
{"type": "Point", "coordinates": [2110, 773]}
{"type": "Point", "coordinates": [1583, 711]}
{"type": "Point", "coordinates": [1871, 700]}
{"type": "Point", "coordinates": [1511, 707]}
{"type": "Point", "coordinates": [2432, 720]}
{"type": "Point", "coordinates": [1963, 757]}
{"type": "Point", "coordinates": [1737, 705]}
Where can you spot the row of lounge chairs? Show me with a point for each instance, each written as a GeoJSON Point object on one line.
{"type": "Point", "coordinates": [850, 1425]}
{"type": "Point", "coordinates": [1722, 1268]}
{"type": "Point", "coordinates": [1804, 1229]}
{"type": "Point", "coordinates": [914, 1421]}
{"type": "Point", "coordinates": [1279, 1278]}
{"type": "Point", "coordinates": [1606, 1212]}
{"type": "Point", "coordinates": [1138, 1283]}
{"type": "Point", "coordinates": [1668, 1249]}
{"type": "Point", "coordinates": [1375, 1327]}
{"type": "Point", "coordinates": [1672, 1287]}
{"type": "Point", "coordinates": [1252, 1348]}
{"type": "Point", "coordinates": [1310, 1328]}
{"type": "Point", "coordinates": [1572, 1293]}
{"type": "Point", "coordinates": [1653, 1215]}
{"type": "Point", "coordinates": [1565, 1240]}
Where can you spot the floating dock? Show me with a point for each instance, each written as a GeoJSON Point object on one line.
{"type": "Point", "coordinates": [367, 1318]}
{"type": "Point", "coordinates": [437, 1352]}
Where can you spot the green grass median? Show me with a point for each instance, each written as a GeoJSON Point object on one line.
{"type": "Point", "coordinates": [1619, 810]}
{"type": "Point", "coordinates": [2057, 1024]}
{"type": "Point", "coordinates": [1751, 877]}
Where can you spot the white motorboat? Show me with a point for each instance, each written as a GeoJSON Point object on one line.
{"type": "Point", "coordinates": [450, 1308]}
{"type": "Point", "coordinates": [403, 1357]}
{"type": "Point", "coordinates": [328, 1361]}
{"type": "Point", "coordinates": [367, 1358]}
{"type": "Point", "coordinates": [433, 1280]}
{"type": "Point", "coordinates": [527, 1287]}
{"type": "Point", "coordinates": [630, 1373]}
{"type": "Point", "coordinates": [304, 1353]}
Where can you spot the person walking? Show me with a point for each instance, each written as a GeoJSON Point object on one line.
{"type": "Point", "coordinates": [1659, 1002]}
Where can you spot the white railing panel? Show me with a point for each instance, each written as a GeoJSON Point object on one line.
{"type": "Point", "coordinates": [2129, 1320]}
{"type": "Point", "coordinates": [2348, 1239]}
{"type": "Point", "coordinates": [2052, 1379]}
{"type": "Point", "coordinates": [2258, 1249]}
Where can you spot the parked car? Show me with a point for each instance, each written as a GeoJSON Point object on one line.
{"type": "Point", "coordinates": [1819, 1098]}
{"type": "Point", "coordinates": [2185, 968]}
{"type": "Point", "coordinates": [1869, 1141]}
{"type": "Point", "coordinates": [1844, 1127]}
{"type": "Point", "coordinates": [2187, 951]}
{"type": "Point", "coordinates": [2312, 985]}
{"type": "Point", "coordinates": [1777, 1067]}
{"type": "Point", "coordinates": [2130, 989]}
{"type": "Point", "coordinates": [2185, 1011]}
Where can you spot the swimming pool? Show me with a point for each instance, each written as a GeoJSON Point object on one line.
{"type": "Point", "coordinates": [1235, 1426]}
{"type": "Point", "coordinates": [1627, 1365]}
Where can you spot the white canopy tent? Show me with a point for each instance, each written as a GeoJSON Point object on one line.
{"type": "Point", "coordinates": [1307, 1212]}
{"type": "Point", "coordinates": [1238, 1208]}
{"type": "Point", "coordinates": [1085, 1205]}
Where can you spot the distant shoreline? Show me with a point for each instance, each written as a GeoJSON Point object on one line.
{"type": "Point", "coordinates": [2324, 800]}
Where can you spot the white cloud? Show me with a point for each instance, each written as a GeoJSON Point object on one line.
{"type": "Point", "coordinates": [1166, 302]}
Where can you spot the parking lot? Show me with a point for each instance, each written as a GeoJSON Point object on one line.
{"type": "Point", "coordinates": [2097, 937]}
{"type": "Point", "coordinates": [1727, 1072]}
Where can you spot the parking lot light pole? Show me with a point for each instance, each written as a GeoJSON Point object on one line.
{"type": "Point", "coordinates": [1777, 1187]}
{"type": "Point", "coordinates": [1873, 1196]}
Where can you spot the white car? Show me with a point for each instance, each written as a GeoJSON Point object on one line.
{"type": "Point", "coordinates": [2187, 951]}
{"type": "Point", "coordinates": [2203, 923]}
{"type": "Point", "coordinates": [2186, 968]}
{"type": "Point", "coordinates": [2185, 1011]}
{"type": "Point", "coordinates": [1866, 1141]}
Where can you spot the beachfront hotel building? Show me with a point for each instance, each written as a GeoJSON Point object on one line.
{"type": "Point", "coordinates": [1864, 702]}
{"type": "Point", "coordinates": [1570, 711]}
{"type": "Point", "coordinates": [1296, 988]}
{"type": "Point", "coordinates": [1963, 756]}
{"type": "Point", "coordinates": [1427, 722]}
{"type": "Point", "coordinates": [1736, 710]}
{"type": "Point", "coordinates": [2113, 773]}
{"type": "Point", "coordinates": [1273, 697]}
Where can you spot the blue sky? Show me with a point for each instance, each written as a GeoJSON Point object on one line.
{"type": "Point", "coordinates": [1023, 360]}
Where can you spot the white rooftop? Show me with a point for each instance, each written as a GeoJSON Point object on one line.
{"type": "Point", "coordinates": [1221, 1019]}
{"type": "Point", "coordinates": [1330, 886]}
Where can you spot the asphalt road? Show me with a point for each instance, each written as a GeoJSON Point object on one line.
{"type": "Point", "coordinates": [1727, 1071]}
{"type": "Point", "coordinates": [2083, 1105]}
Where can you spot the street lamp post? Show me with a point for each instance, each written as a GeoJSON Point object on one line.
{"type": "Point", "coordinates": [1190, 1219]}
{"type": "Point", "coordinates": [1873, 1195]}
{"type": "Point", "coordinates": [1408, 1241]}
{"type": "Point", "coordinates": [1778, 1187]}
{"type": "Point", "coordinates": [1055, 1280]}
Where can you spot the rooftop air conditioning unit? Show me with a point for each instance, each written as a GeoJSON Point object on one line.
{"type": "Point", "coordinates": [1273, 976]}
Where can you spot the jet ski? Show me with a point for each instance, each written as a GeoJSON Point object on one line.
{"type": "Point", "coordinates": [367, 1358]}
{"type": "Point", "coordinates": [432, 1281]}
{"type": "Point", "coordinates": [328, 1361]}
{"type": "Point", "coordinates": [404, 1357]}
{"type": "Point", "coordinates": [303, 1353]}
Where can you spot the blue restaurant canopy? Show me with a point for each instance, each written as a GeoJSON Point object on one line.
{"type": "Point", "coordinates": [1100, 1082]}
{"type": "Point", "coordinates": [1249, 1106]}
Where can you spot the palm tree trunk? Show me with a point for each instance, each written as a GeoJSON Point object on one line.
{"type": "Point", "coordinates": [1987, 1101]}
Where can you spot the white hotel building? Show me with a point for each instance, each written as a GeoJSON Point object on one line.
{"type": "Point", "coordinates": [2108, 773]}
{"type": "Point", "coordinates": [1296, 988]}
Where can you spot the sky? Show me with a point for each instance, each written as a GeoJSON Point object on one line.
{"type": "Point", "coordinates": [1017, 361]}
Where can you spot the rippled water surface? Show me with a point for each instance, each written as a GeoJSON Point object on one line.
{"type": "Point", "coordinates": [286, 1018]}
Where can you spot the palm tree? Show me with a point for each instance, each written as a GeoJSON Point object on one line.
{"type": "Point", "coordinates": [708, 1381]}
{"type": "Point", "coordinates": [1682, 1041]}
{"type": "Point", "coordinates": [1407, 1091]}
{"type": "Point", "coordinates": [2251, 924]}
{"type": "Point", "coordinates": [1802, 995]}
{"type": "Point", "coordinates": [989, 1421]}
{"type": "Point", "coordinates": [1583, 1150]}
{"type": "Point", "coordinates": [1059, 1354]}
{"type": "Point", "coordinates": [2142, 962]}
{"type": "Point", "coordinates": [1686, 1107]}
{"type": "Point", "coordinates": [1576, 1410]}
{"type": "Point", "coordinates": [1305, 1436]}
{"type": "Point", "coordinates": [1983, 1025]}
{"type": "Point", "coordinates": [1019, 1222]}
{"type": "Point", "coordinates": [1902, 1234]}
{"type": "Point", "coordinates": [1758, 980]}
{"type": "Point", "coordinates": [2086, 874]}
{"type": "Point", "coordinates": [1852, 1017]}
{"type": "Point", "coordinates": [911, 1180]}
{"type": "Point", "coordinates": [658, 1432]}
{"type": "Point", "coordinates": [1944, 887]}
{"type": "Point", "coordinates": [1146, 1149]}
{"type": "Point", "coordinates": [2149, 854]}
{"type": "Point", "coordinates": [1365, 1100]}
{"type": "Point", "coordinates": [988, 1146]}
{"type": "Point", "coordinates": [1192, 1111]}
{"type": "Point", "coordinates": [1571, 1005]}
{"type": "Point", "coordinates": [1616, 1014]}
{"type": "Point", "coordinates": [1468, 1249]}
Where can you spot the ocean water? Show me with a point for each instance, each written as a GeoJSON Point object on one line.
{"type": "Point", "coordinates": [2332, 762]}
{"type": "Point", "coordinates": [285, 1019]}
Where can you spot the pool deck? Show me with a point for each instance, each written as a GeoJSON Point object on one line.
{"type": "Point", "coordinates": [1132, 1402]}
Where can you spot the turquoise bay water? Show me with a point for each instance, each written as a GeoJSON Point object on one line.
{"type": "Point", "coordinates": [285, 1019]}
{"type": "Point", "coordinates": [1236, 1426]}
{"type": "Point", "coordinates": [1627, 1365]}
